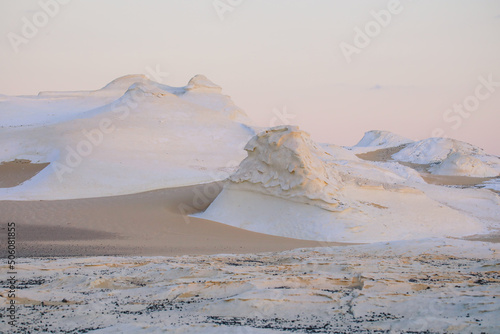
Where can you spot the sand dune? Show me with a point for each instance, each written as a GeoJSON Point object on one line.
{"type": "Point", "coordinates": [150, 223]}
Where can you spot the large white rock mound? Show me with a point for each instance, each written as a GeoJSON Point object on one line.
{"type": "Point", "coordinates": [132, 135]}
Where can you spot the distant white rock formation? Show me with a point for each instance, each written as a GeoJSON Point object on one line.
{"type": "Point", "coordinates": [201, 83]}
{"type": "Point", "coordinates": [433, 150]}
{"type": "Point", "coordinates": [203, 92]}
{"type": "Point", "coordinates": [459, 164]}
{"type": "Point", "coordinates": [450, 157]}
{"type": "Point", "coordinates": [381, 139]}
{"type": "Point", "coordinates": [444, 156]}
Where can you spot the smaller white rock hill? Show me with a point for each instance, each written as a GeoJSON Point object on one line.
{"type": "Point", "coordinates": [459, 164]}
{"type": "Point", "coordinates": [450, 157]}
{"type": "Point", "coordinates": [433, 150]}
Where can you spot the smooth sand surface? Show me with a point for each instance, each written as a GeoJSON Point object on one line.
{"type": "Point", "coordinates": [150, 223]}
{"type": "Point", "coordinates": [450, 180]}
{"type": "Point", "coordinates": [493, 237]}
{"type": "Point", "coordinates": [384, 154]}
{"type": "Point", "coordinates": [13, 173]}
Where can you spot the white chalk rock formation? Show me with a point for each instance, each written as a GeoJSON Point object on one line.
{"type": "Point", "coordinates": [285, 162]}
{"type": "Point", "coordinates": [132, 135]}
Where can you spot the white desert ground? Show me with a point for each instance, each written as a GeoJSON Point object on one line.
{"type": "Point", "coordinates": [141, 207]}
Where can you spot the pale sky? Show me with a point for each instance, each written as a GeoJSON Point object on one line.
{"type": "Point", "coordinates": [271, 56]}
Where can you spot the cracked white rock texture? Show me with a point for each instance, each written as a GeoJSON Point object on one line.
{"type": "Point", "coordinates": [284, 162]}
{"type": "Point", "coordinates": [419, 286]}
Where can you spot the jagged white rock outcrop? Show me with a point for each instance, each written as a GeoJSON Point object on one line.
{"type": "Point", "coordinates": [285, 162]}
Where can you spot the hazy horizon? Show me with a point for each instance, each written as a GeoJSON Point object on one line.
{"type": "Point", "coordinates": [280, 58]}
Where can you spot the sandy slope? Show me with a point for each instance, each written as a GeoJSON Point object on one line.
{"type": "Point", "coordinates": [150, 223]}
{"type": "Point", "coordinates": [15, 172]}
